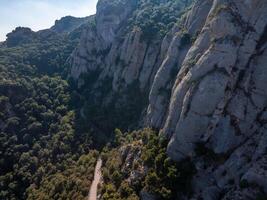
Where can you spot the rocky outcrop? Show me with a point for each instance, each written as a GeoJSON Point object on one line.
{"type": "Point", "coordinates": [68, 24]}
{"type": "Point", "coordinates": [218, 100]}
{"type": "Point", "coordinates": [178, 42]}
{"type": "Point", "coordinates": [121, 55]}
{"type": "Point", "coordinates": [205, 96]}
{"type": "Point", "coordinates": [205, 83]}
{"type": "Point", "coordinates": [97, 39]}
{"type": "Point", "coordinates": [20, 35]}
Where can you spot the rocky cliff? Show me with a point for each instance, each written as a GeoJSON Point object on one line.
{"type": "Point", "coordinates": [219, 98]}
{"type": "Point", "coordinates": [119, 55]}
{"type": "Point", "coordinates": [203, 82]}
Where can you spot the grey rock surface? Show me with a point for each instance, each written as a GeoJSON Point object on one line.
{"type": "Point", "coordinates": [206, 81]}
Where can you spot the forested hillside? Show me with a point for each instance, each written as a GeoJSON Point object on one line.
{"type": "Point", "coordinates": [170, 95]}
{"type": "Point", "coordinates": [44, 151]}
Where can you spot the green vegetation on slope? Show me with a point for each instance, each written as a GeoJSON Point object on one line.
{"type": "Point", "coordinates": [43, 152]}
{"type": "Point", "coordinates": [157, 17]}
{"type": "Point", "coordinates": [139, 163]}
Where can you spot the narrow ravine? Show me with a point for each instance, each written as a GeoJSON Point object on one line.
{"type": "Point", "coordinates": [97, 178]}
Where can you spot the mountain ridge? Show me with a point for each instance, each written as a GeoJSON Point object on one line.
{"type": "Point", "coordinates": [205, 94]}
{"type": "Point", "coordinates": [192, 71]}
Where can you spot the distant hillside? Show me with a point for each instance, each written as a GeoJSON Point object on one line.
{"type": "Point", "coordinates": [69, 24]}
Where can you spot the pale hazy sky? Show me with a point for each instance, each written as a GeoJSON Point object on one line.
{"type": "Point", "coordinates": [40, 14]}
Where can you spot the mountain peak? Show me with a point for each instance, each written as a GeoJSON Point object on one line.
{"type": "Point", "coordinates": [18, 36]}
{"type": "Point", "coordinates": [68, 23]}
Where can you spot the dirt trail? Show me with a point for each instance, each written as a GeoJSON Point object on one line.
{"type": "Point", "coordinates": [96, 181]}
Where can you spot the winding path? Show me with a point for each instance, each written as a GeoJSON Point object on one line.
{"type": "Point", "coordinates": [97, 178]}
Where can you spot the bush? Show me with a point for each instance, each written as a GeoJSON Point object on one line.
{"type": "Point", "coordinates": [185, 40]}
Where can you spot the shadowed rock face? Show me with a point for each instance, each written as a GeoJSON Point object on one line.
{"type": "Point", "coordinates": [118, 54]}
{"type": "Point", "coordinates": [206, 81]}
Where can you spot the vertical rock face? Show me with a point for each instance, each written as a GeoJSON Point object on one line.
{"type": "Point", "coordinates": [97, 40]}
{"type": "Point", "coordinates": [206, 81]}
{"type": "Point", "coordinates": [115, 44]}
{"type": "Point", "coordinates": [179, 42]}
{"type": "Point", "coordinates": [120, 48]}
{"type": "Point", "coordinates": [217, 100]}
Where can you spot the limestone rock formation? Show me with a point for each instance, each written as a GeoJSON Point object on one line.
{"type": "Point", "coordinates": [214, 96]}
{"type": "Point", "coordinates": [219, 98]}
{"type": "Point", "coordinates": [178, 42]}
{"type": "Point", "coordinates": [205, 83]}
{"type": "Point", "coordinates": [119, 52]}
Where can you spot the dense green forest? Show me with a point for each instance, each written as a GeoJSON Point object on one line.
{"type": "Point", "coordinates": [155, 17]}
{"type": "Point", "coordinates": [44, 153]}
{"type": "Point", "coordinates": [46, 147]}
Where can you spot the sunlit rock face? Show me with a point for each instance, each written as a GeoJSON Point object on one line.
{"type": "Point", "coordinates": [98, 38]}
{"type": "Point", "coordinates": [218, 101]}
{"type": "Point", "coordinates": [177, 44]}
{"type": "Point", "coordinates": [219, 97]}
